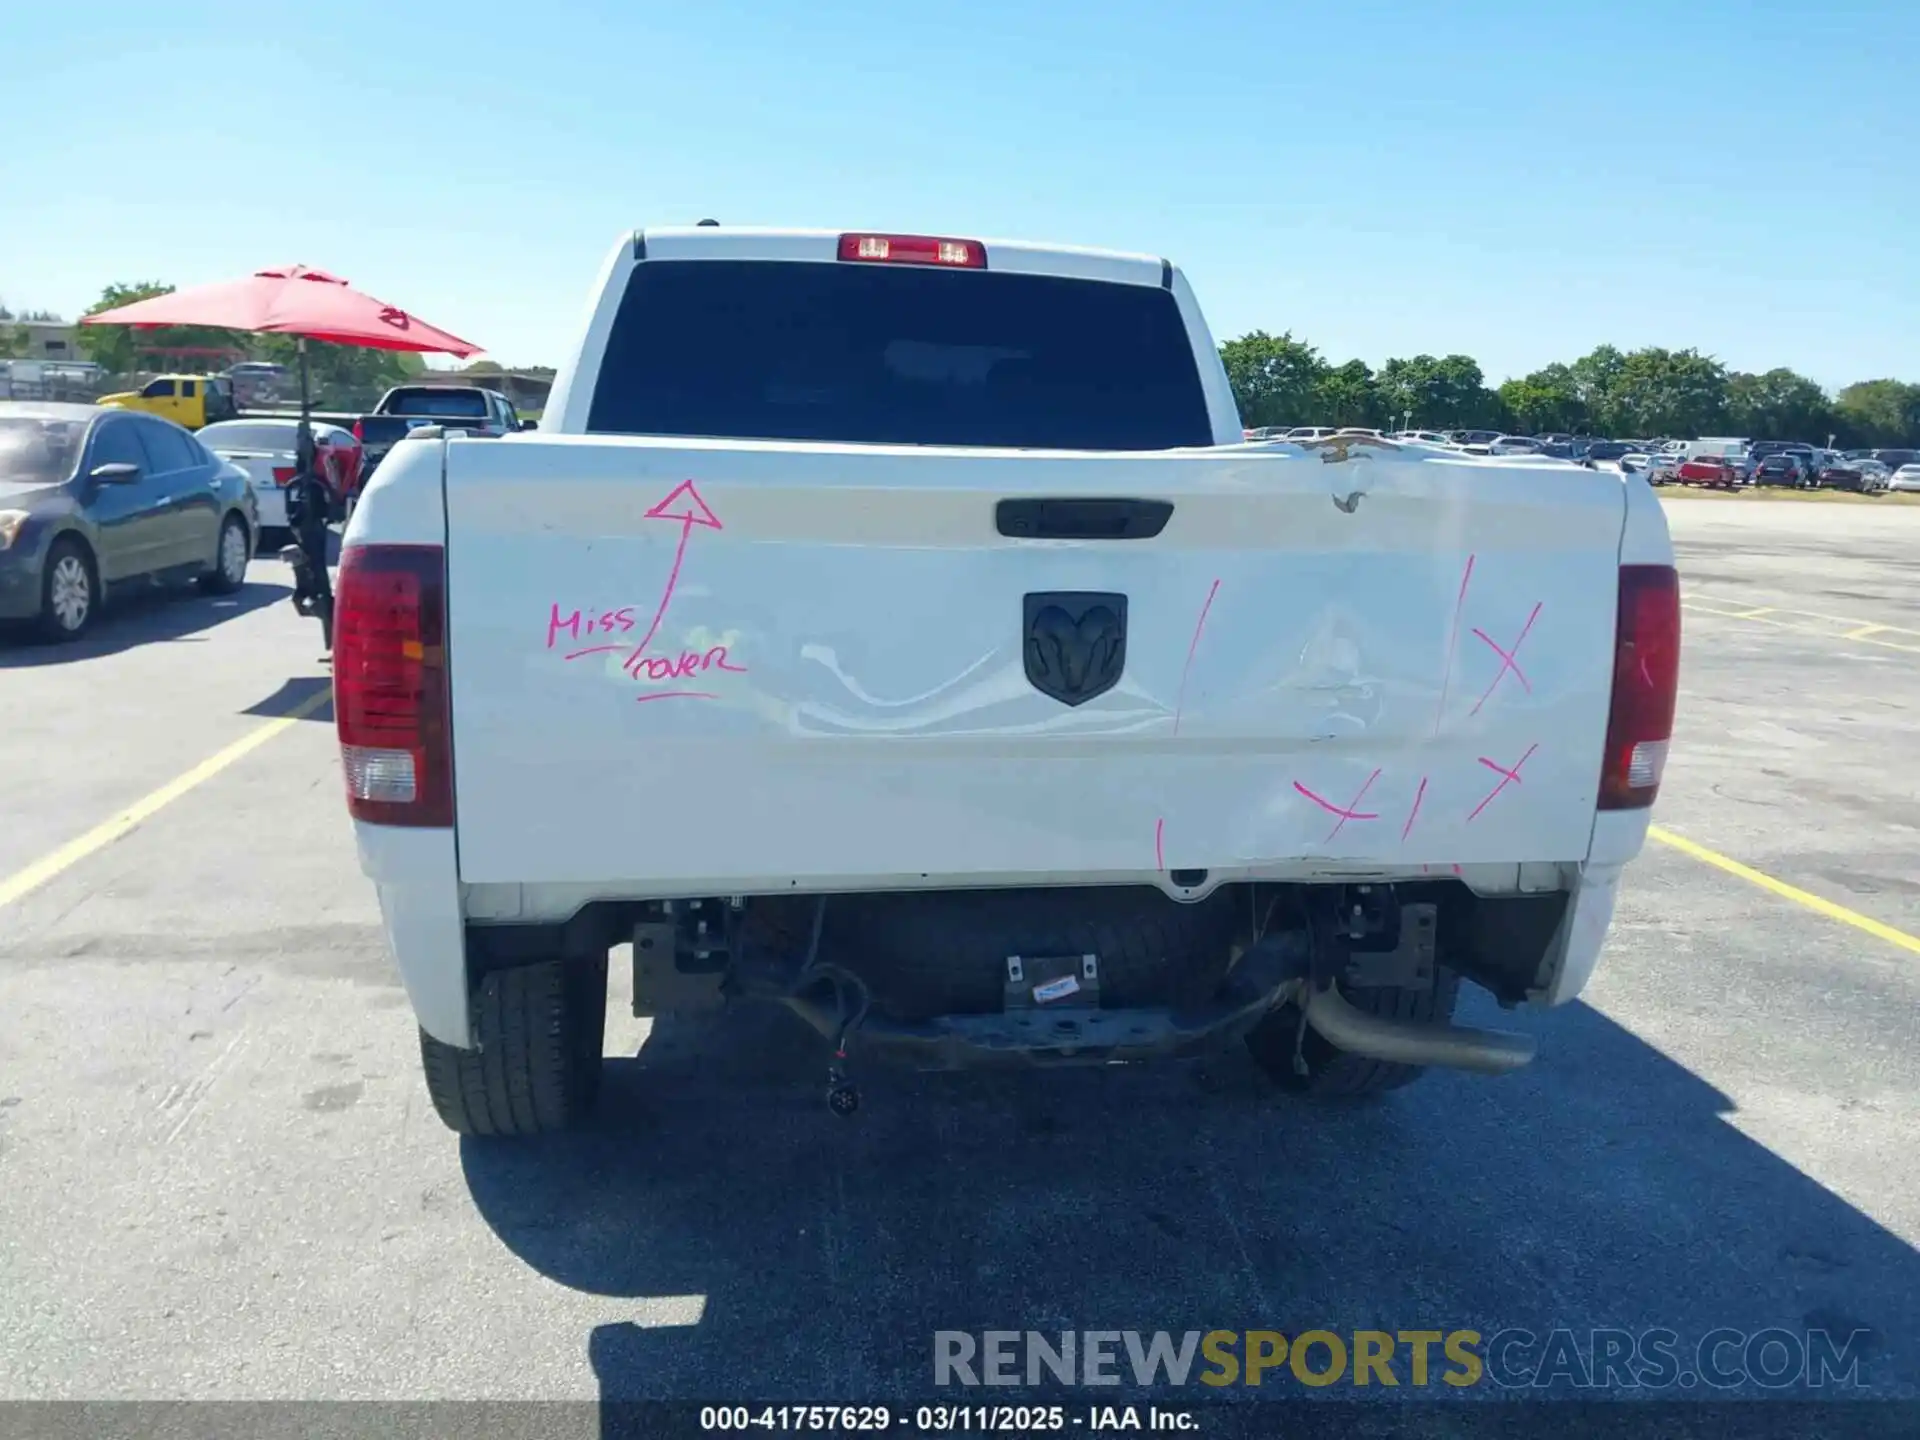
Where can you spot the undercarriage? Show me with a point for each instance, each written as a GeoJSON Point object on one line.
{"type": "Point", "coordinates": [963, 979]}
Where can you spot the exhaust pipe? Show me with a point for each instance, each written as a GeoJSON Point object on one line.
{"type": "Point", "coordinates": [1405, 1042]}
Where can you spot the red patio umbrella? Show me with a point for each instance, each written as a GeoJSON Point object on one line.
{"type": "Point", "coordinates": [291, 300]}
{"type": "Point", "coordinates": [311, 305]}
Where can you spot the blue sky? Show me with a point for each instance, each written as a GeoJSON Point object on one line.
{"type": "Point", "coordinates": [1518, 181]}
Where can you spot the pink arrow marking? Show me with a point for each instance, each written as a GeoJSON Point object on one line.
{"type": "Point", "coordinates": [695, 511]}
{"type": "Point", "coordinates": [1507, 777]}
{"type": "Point", "coordinates": [692, 511]}
{"type": "Point", "coordinates": [1507, 660]}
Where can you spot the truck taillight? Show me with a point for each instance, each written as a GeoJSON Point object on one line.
{"type": "Point", "coordinates": [283, 474]}
{"type": "Point", "coordinates": [915, 250]}
{"type": "Point", "coordinates": [1646, 681]}
{"type": "Point", "coordinates": [390, 693]}
{"type": "Point", "coordinates": [359, 431]}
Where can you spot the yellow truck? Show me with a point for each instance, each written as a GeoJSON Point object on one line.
{"type": "Point", "coordinates": [189, 400]}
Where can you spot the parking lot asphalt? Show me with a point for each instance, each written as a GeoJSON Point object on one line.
{"type": "Point", "coordinates": [222, 1179]}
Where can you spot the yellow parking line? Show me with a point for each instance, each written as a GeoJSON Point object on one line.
{"type": "Point", "coordinates": [1755, 613]}
{"type": "Point", "coordinates": [1864, 631]}
{"type": "Point", "coordinates": [23, 882]}
{"type": "Point", "coordinates": [1768, 619]}
{"type": "Point", "coordinates": [1785, 891]}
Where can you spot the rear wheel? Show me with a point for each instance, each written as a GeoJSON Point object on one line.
{"type": "Point", "coordinates": [1332, 1073]}
{"type": "Point", "coordinates": [69, 591]}
{"type": "Point", "coordinates": [538, 1032]}
{"type": "Point", "coordinates": [230, 558]}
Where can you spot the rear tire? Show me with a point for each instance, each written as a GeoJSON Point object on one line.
{"type": "Point", "coordinates": [1335, 1074]}
{"type": "Point", "coordinates": [538, 1032]}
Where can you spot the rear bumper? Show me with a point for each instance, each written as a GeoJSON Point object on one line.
{"type": "Point", "coordinates": [416, 878]}
{"type": "Point", "coordinates": [271, 506]}
{"type": "Point", "coordinates": [425, 913]}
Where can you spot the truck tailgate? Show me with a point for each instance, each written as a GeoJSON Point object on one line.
{"type": "Point", "coordinates": [681, 666]}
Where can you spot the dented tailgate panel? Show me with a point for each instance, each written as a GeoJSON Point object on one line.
{"type": "Point", "coordinates": [686, 665]}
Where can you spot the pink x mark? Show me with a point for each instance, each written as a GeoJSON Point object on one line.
{"type": "Point", "coordinates": [1507, 660]}
{"type": "Point", "coordinates": [1507, 777]}
{"type": "Point", "coordinates": [1353, 810]}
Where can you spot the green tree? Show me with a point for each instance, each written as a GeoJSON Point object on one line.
{"type": "Point", "coordinates": [1435, 393]}
{"type": "Point", "coordinates": [1346, 396]}
{"type": "Point", "coordinates": [1273, 378]}
{"type": "Point", "coordinates": [1548, 399]}
{"type": "Point", "coordinates": [1779, 405]}
{"type": "Point", "coordinates": [14, 341]}
{"type": "Point", "coordinates": [1596, 377]}
{"type": "Point", "coordinates": [1462, 396]}
{"type": "Point", "coordinates": [1669, 392]}
{"type": "Point", "coordinates": [1878, 412]}
{"type": "Point", "coordinates": [1682, 393]}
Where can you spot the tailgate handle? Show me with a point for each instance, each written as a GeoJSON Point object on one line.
{"type": "Point", "coordinates": [1082, 519]}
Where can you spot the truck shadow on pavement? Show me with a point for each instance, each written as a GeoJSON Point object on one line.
{"type": "Point", "coordinates": [147, 615]}
{"type": "Point", "coordinates": [295, 692]}
{"type": "Point", "coordinates": [815, 1257]}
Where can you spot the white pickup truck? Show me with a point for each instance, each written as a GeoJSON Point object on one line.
{"type": "Point", "coordinates": [895, 628]}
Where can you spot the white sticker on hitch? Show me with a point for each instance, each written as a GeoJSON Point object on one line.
{"type": "Point", "coordinates": [1056, 989]}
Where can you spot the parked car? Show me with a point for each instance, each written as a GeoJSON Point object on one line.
{"type": "Point", "coordinates": [1907, 477]}
{"type": "Point", "coordinates": [1783, 468]}
{"type": "Point", "coordinates": [1716, 472]}
{"type": "Point", "coordinates": [93, 498]}
{"type": "Point", "coordinates": [264, 448]}
{"type": "Point", "coordinates": [1514, 445]}
{"type": "Point", "coordinates": [191, 401]}
{"type": "Point", "coordinates": [919, 874]}
{"type": "Point", "coordinates": [263, 372]}
{"type": "Point", "coordinates": [1311, 432]}
{"type": "Point", "coordinates": [1424, 437]}
{"type": "Point", "coordinates": [1869, 477]}
{"type": "Point", "coordinates": [1896, 459]}
{"type": "Point", "coordinates": [1609, 450]}
{"type": "Point", "coordinates": [412, 407]}
{"type": "Point", "coordinates": [256, 382]}
{"type": "Point", "coordinates": [1663, 468]}
{"type": "Point", "coordinates": [1806, 454]}
{"type": "Point", "coordinates": [1473, 437]}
